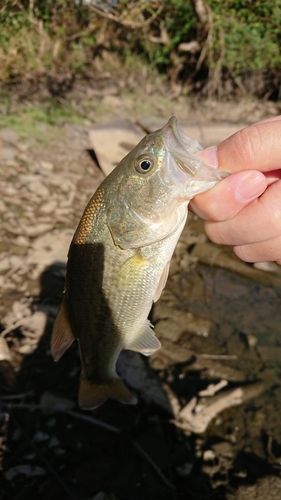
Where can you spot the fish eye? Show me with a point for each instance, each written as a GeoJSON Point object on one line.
{"type": "Point", "coordinates": [144, 164]}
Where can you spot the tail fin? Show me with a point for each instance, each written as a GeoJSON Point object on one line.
{"type": "Point", "coordinates": [92, 395]}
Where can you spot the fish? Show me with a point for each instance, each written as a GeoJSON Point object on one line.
{"type": "Point", "coordinates": [118, 260]}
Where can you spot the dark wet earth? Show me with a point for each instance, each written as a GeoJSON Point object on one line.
{"type": "Point", "coordinates": [207, 424]}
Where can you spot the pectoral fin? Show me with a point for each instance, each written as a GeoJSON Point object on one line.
{"type": "Point", "coordinates": [145, 341]}
{"type": "Point", "coordinates": [62, 336]}
{"type": "Point", "coordinates": [162, 282]}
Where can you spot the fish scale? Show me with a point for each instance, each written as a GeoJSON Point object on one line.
{"type": "Point", "coordinates": [119, 258]}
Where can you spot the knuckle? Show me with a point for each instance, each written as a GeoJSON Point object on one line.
{"type": "Point", "coordinates": [243, 252]}
{"type": "Point", "coordinates": [246, 144]}
{"type": "Point", "coordinates": [217, 232]}
{"type": "Point", "coordinates": [271, 208]}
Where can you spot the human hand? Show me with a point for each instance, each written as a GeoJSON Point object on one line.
{"type": "Point", "coordinates": [244, 209]}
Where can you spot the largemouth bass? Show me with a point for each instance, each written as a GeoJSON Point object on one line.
{"type": "Point", "coordinates": [118, 260]}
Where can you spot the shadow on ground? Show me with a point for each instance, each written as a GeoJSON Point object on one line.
{"type": "Point", "coordinates": [53, 449]}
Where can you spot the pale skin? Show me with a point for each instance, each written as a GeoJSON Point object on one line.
{"type": "Point", "coordinates": [244, 209]}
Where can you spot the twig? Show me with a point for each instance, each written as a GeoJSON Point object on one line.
{"type": "Point", "coordinates": [31, 406]}
{"type": "Point", "coordinates": [212, 389]}
{"type": "Point", "coordinates": [12, 327]}
{"type": "Point", "coordinates": [16, 396]}
{"type": "Point", "coordinates": [92, 420]}
{"type": "Point", "coordinates": [37, 24]}
{"type": "Point", "coordinates": [127, 23]}
{"type": "Point", "coordinates": [153, 464]}
{"type": "Point", "coordinates": [208, 40]}
{"type": "Point", "coordinates": [218, 356]}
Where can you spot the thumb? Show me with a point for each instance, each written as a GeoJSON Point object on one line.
{"type": "Point", "coordinates": [256, 147]}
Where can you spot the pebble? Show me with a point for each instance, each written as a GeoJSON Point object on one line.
{"type": "Point", "coordinates": [112, 100]}
{"type": "Point", "coordinates": [66, 187]}
{"type": "Point", "coordinates": [9, 135]}
{"type": "Point", "coordinates": [25, 470]}
{"type": "Point", "coordinates": [9, 262]}
{"type": "Point", "coordinates": [4, 350]}
{"type": "Point", "coordinates": [22, 241]}
{"type": "Point", "coordinates": [10, 191]}
{"type": "Point", "coordinates": [48, 207]}
{"type": "Point", "coordinates": [38, 188]}
{"type": "Point", "coordinates": [28, 230]}
{"type": "Point", "coordinates": [209, 455]}
{"type": "Point", "coordinates": [3, 207]}
{"type": "Point", "coordinates": [47, 165]}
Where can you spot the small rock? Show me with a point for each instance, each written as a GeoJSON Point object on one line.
{"type": "Point", "coordinates": [184, 469]}
{"type": "Point", "coordinates": [251, 340]}
{"type": "Point", "coordinates": [22, 241]}
{"type": "Point", "coordinates": [139, 376]}
{"type": "Point", "coordinates": [10, 190]}
{"type": "Point", "coordinates": [4, 350]}
{"type": "Point", "coordinates": [35, 323]}
{"type": "Point", "coordinates": [268, 487]}
{"type": "Point", "coordinates": [5, 264]}
{"type": "Point", "coordinates": [40, 436]}
{"type": "Point", "coordinates": [54, 442]}
{"type": "Point", "coordinates": [209, 455]}
{"type": "Point", "coordinates": [223, 448]}
{"type": "Point", "coordinates": [7, 154]}
{"type": "Point", "coordinates": [47, 165]}
{"type": "Point", "coordinates": [3, 207]}
{"type": "Point", "coordinates": [9, 135]}
{"type": "Point", "coordinates": [25, 470]}
{"type": "Point", "coordinates": [48, 207]}
{"type": "Point", "coordinates": [12, 261]}
{"type": "Point", "coordinates": [55, 403]}
{"type": "Point", "coordinates": [112, 100]}
{"type": "Point", "coordinates": [38, 188]}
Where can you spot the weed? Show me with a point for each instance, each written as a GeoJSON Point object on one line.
{"type": "Point", "coordinates": [201, 45]}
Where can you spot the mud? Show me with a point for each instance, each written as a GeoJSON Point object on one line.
{"type": "Point", "coordinates": [207, 423]}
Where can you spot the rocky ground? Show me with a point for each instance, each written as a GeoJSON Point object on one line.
{"type": "Point", "coordinates": [207, 422]}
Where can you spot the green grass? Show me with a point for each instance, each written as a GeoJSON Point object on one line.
{"type": "Point", "coordinates": [39, 122]}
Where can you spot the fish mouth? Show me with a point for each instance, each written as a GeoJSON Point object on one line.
{"type": "Point", "coordinates": [183, 150]}
{"type": "Point", "coordinates": [181, 147]}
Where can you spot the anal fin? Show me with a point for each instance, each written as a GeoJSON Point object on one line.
{"type": "Point", "coordinates": [145, 341]}
{"type": "Point", "coordinates": [62, 336]}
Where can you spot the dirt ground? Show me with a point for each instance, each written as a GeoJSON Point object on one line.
{"type": "Point", "coordinates": [207, 424]}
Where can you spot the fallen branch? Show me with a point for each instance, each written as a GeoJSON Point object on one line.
{"type": "Point", "coordinates": [153, 464]}
{"type": "Point", "coordinates": [79, 416]}
{"type": "Point", "coordinates": [195, 417]}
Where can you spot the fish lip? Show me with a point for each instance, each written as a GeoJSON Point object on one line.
{"type": "Point", "coordinates": [184, 155]}
{"type": "Point", "coordinates": [189, 165]}
{"type": "Point", "coordinates": [173, 124]}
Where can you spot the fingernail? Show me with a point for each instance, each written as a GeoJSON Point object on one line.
{"type": "Point", "coordinates": [250, 187]}
{"type": "Point", "coordinates": [209, 156]}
